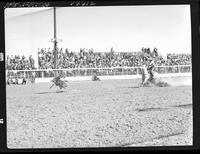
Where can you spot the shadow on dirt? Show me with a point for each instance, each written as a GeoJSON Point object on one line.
{"type": "Point", "coordinates": [129, 87]}
{"type": "Point", "coordinates": [133, 87]}
{"type": "Point", "coordinates": [152, 140]}
{"type": "Point", "coordinates": [161, 109]}
{"type": "Point", "coordinates": [48, 92]}
{"type": "Point", "coordinates": [150, 109]}
{"type": "Point", "coordinates": [184, 105]}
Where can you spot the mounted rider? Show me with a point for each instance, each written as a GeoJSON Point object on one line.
{"type": "Point", "coordinates": [147, 70]}
{"type": "Point", "coordinates": [149, 75]}
{"type": "Point", "coordinates": [58, 82]}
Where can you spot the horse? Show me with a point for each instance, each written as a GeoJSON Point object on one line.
{"type": "Point", "coordinates": [145, 76]}
{"type": "Point", "coordinates": [58, 82]}
{"type": "Point", "coordinates": [154, 79]}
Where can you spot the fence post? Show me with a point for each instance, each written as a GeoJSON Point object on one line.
{"type": "Point", "coordinates": [101, 71]}
{"type": "Point", "coordinates": [122, 71]}
{"type": "Point", "coordinates": [138, 71]}
{"type": "Point", "coordinates": [178, 69]}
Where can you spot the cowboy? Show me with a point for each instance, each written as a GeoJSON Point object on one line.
{"type": "Point", "coordinates": [94, 77]}
{"type": "Point", "coordinates": [150, 68]}
{"type": "Point", "coordinates": [145, 75]}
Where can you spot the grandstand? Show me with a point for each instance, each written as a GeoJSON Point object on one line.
{"type": "Point", "coordinates": [84, 63]}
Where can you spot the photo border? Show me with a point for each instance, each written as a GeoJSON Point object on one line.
{"type": "Point", "coordinates": [195, 18]}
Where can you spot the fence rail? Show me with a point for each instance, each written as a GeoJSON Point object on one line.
{"type": "Point", "coordinates": [70, 72]}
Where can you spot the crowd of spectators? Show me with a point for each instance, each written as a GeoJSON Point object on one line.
{"type": "Point", "coordinates": [178, 59]}
{"type": "Point", "coordinates": [87, 58]}
{"type": "Point", "coordinates": [17, 62]}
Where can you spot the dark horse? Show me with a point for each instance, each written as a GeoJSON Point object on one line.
{"type": "Point", "coordinates": [58, 82]}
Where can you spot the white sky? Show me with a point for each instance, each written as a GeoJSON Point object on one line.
{"type": "Point", "coordinates": [125, 28]}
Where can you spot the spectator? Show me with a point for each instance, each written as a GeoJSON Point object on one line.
{"type": "Point", "coordinates": [90, 59]}
{"type": "Point", "coordinates": [19, 63]}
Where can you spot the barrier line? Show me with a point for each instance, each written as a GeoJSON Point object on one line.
{"type": "Point", "coordinates": [112, 77]}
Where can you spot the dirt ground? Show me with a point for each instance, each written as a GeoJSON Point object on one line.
{"type": "Point", "coordinates": [108, 113]}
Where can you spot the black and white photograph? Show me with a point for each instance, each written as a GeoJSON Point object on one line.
{"type": "Point", "coordinates": [98, 76]}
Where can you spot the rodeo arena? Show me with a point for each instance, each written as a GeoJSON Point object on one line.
{"type": "Point", "coordinates": [86, 98]}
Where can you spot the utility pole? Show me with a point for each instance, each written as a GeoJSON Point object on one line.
{"type": "Point", "coordinates": [55, 40]}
